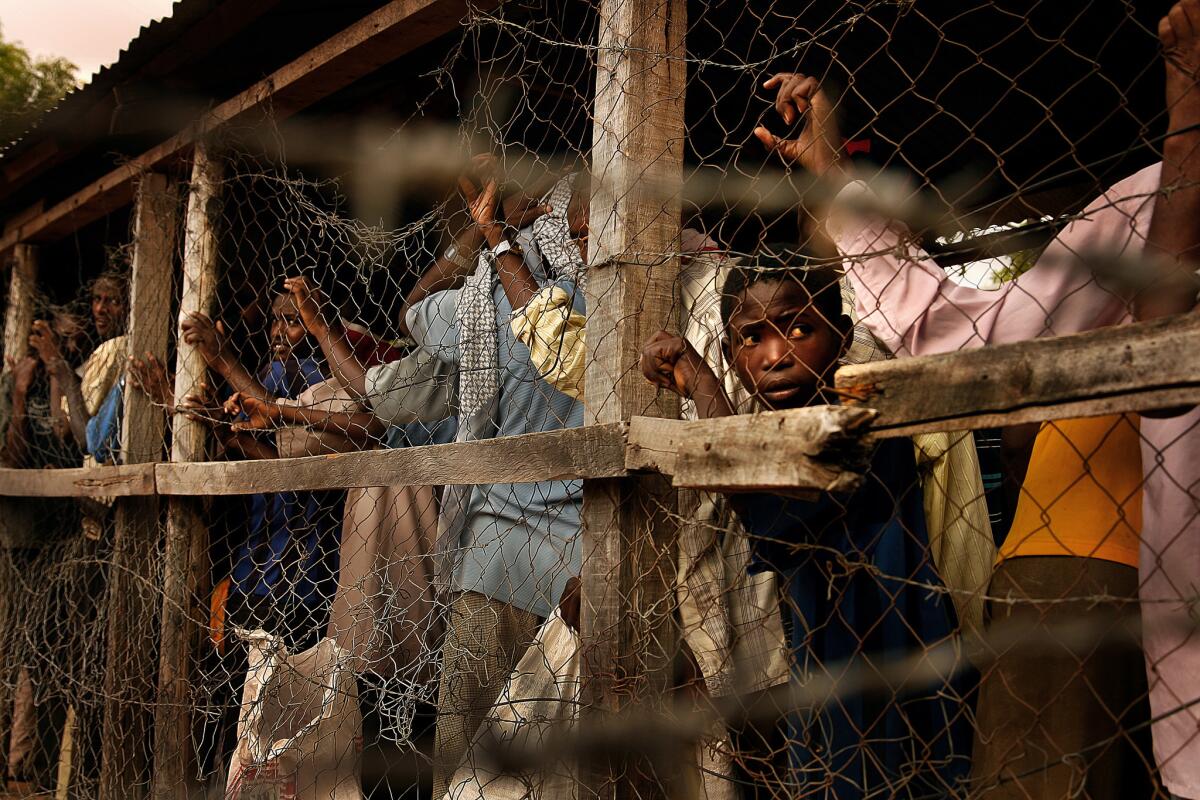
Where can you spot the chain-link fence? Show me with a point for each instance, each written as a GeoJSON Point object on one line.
{"type": "Point", "coordinates": [672, 400]}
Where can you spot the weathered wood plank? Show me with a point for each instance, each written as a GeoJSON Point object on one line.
{"type": "Point", "coordinates": [129, 681]}
{"type": "Point", "coordinates": [185, 551]}
{"type": "Point", "coordinates": [377, 39]}
{"type": "Point", "coordinates": [597, 451]}
{"type": "Point", "coordinates": [133, 480]}
{"type": "Point", "coordinates": [18, 522]}
{"type": "Point", "coordinates": [815, 448]}
{"type": "Point", "coordinates": [18, 314]}
{"type": "Point", "coordinates": [629, 632]}
{"type": "Point", "coordinates": [1111, 370]}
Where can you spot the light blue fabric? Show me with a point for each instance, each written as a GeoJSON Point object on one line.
{"type": "Point", "coordinates": [521, 541]}
{"type": "Point", "coordinates": [104, 429]}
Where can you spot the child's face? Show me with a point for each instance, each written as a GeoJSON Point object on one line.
{"type": "Point", "coordinates": [108, 308]}
{"type": "Point", "coordinates": [287, 329]}
{"type": "Point", "coordinates": [780, 344]}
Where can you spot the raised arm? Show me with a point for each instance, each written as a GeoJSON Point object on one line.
{"type": "Point", "coordinates": [1175, 224]}
{"type": "Point", "coordinates": [670, 362]}
{"type": "Point", "coordinates": [360, 427]}
{"type": "Point", "coordinates": [325, 325]}
{"type": "Point", "coordinates": [209, 338]}
{"type": "Point", "coordinates": [43, 340]}
{"type": "Point", "coordinates": [911, 304]}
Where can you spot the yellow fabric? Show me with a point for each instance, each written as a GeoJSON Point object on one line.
{"type": "Point", "coordinates": [1082, 494]}
{"type": "Point", "coordinates": [553, 332]}
{"type": "Point", "coordinates": [956, 517]}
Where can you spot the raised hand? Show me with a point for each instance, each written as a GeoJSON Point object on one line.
{"type": "Point", "coordinates": [481, 205]}
{"type": "Point", "coordinates": [259, 415]}
{"type": "Point", "coordinates": [150, 376]}
{"type": "Point", "coordinates": [670, 362]}
{"type": "Point", "coordinates": [310, 301]}
{"type": "Point", "coordinates": [208, 337]}
{"type": "Point", "coordinates": [520, 210]}
{"type": "Point", "coordinates": [800, 96]}
{"type": "Point", "coordinates": [1179, 32]}
{"type": "Point", "coordinates": [43, 340]}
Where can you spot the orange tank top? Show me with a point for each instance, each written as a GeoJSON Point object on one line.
{"type": "Point", "coordinates": [1082, 494]}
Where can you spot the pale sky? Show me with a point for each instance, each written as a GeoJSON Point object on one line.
{"type": "Point", "coordinates": [90, 33]}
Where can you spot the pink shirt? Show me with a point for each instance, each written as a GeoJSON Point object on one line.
{"type": "Point", "coordinates": [914, 308]}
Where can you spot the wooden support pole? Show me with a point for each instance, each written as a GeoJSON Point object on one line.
{"type": "Point", "coordinates": [630, 539]}
{"type": "Point", "coordinates": [18, 314]}
{"type": "Point", "coordinates": [185, 555]}
{"type": "Point", "coordinates": [17, 526]}
{"type": "Point", "coordinates": [132, 663]}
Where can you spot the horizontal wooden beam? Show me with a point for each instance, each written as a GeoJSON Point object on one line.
{"type": "Point", "coordinates": [1127, 368]}
{"type": "Point", "coordinates": [132, 480]}
{"type": "Point", "coordinates": [377, 39]}
{"type": "Point", "coordinates": [1150, 365]}
{"type": "Point", "coordinates": [816, 448]}
{"type": "Point", "coordinates": [597, 451]}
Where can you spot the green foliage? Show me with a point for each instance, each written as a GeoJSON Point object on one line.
{"type": "Point", "coordinates": [28, 87]}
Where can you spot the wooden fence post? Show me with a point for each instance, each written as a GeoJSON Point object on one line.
{"type": "Point", "coordinates": [630, 538]}
{"type": "Point", "coordinates": [185, 556]}
{"type": "Point", "coordinates": [18, 319]}
{"type": "Point", "coordinates": [129, 681]}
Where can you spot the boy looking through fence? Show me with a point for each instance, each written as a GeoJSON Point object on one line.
{"type": "Point", "coordinates": [1057, 723]}
{"type": "Point", "coordinates": [857, 569]}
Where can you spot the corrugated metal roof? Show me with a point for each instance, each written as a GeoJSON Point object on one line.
{"type": "Point", "coordinates": [153, 38]}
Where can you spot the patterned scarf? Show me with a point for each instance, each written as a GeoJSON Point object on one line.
{"type": "Point", "coordinates": [479, 357]}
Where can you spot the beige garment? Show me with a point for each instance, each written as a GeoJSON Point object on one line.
{"type": "Point", "coordinates": [99, 372]}
{"type": "Point", "coordinates": [383, 613]}
{"type": "Point", "coordinates": [956, 517]}
{"type": "Point", "coordinates": [485, 639]}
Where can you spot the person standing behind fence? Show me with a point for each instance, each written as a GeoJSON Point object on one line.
{"type": "Point", "coordinates": [283, 572]}
{"type": "Point", "coordinates": [383, 613]}
{"type": "Point", "coordinates": [1048, 723]}
{"type": "Point", "coordinates": [860, 581]}
{"type": "Point", "coordinates": [32, 527]}
{"type": "Point", "coordinates": [505, 551]}
{"type": "Point", "coordinates": [76, 593]}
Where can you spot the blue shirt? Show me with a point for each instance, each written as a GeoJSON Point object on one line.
{"type": "Point", "coordinates": [916, 744]}
{"type": "Point", "coordinates": [287, 566]}
{"type": "Point", "coordinates": [521, 541]}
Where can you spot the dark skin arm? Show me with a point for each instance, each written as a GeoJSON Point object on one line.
{"type": "Point", "coordinates": [516, 279]}
{"type": "Point", "coordinates": [327, 329]}
{"type": "Point", "coordinates": [1174, 237]}
{"type": "Point", "coordinates": [43, 340]}
{"type": "Point", "coordinates": [361, 427]}
{"type": "Point", "coordinates": [670, 362]}
{"type": "Point", "coordinates": [518, 210]}
{"type": "Point", "coordinates": [16, 439]}
{"type": "Point", "coordinates": [444, 274]}
{"type": "Point", "coordinates": [200, 332]}
{"type": "Point", "coordinates": [201, 407]}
